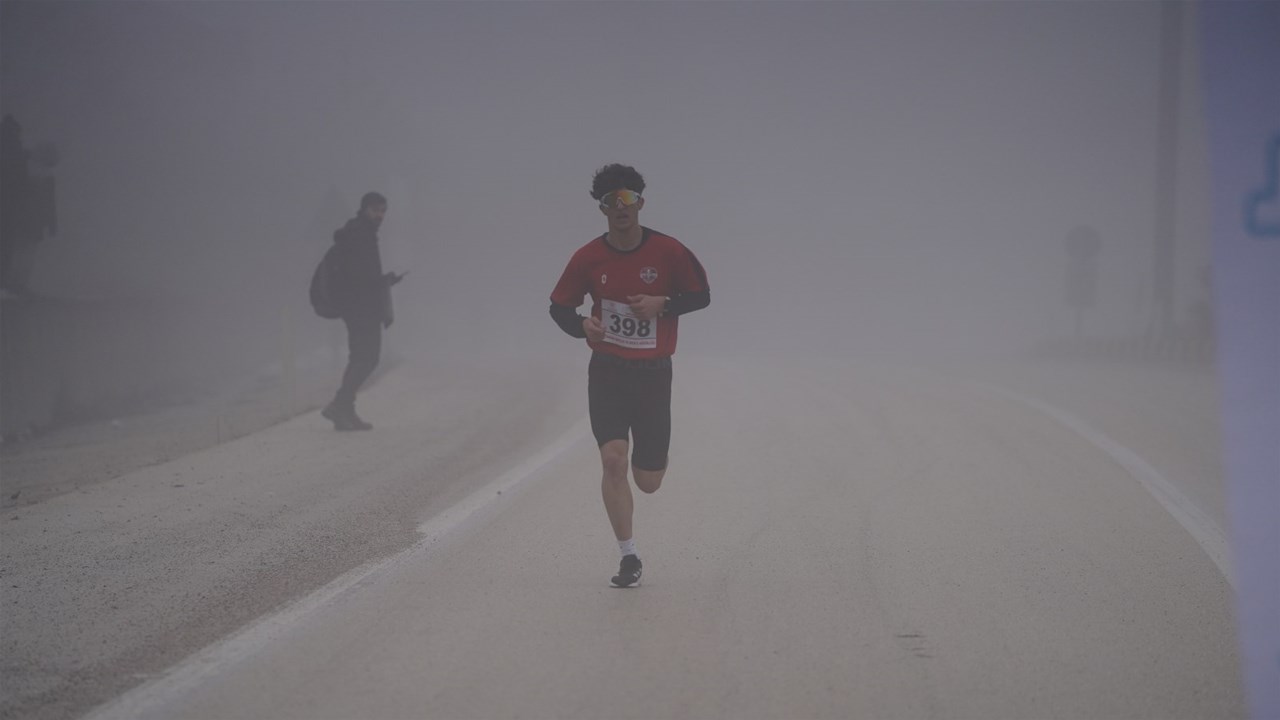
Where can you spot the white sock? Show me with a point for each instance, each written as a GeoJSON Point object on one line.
{"type": "Point", "coordinates": [628, 547]}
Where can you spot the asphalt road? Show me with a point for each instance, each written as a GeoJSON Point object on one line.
{"type": "Point", "coordinates": [831, 541]}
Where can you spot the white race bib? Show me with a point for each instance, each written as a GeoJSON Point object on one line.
{"type": "Point", "coordinates": [623, 328]}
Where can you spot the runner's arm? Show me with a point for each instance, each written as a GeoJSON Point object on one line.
{"type": "Point", "coordinates": [569, 320]}
{"type": "Point", "coordinates": [682, 303]}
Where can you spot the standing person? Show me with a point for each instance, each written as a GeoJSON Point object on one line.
{"type": "Point", "coordinates": [640, 282]}
{"type": "Point", "coordinates": [363, 292]}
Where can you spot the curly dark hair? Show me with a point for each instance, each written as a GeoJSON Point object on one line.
{"type": "Point", "coordinates": [615, 177]}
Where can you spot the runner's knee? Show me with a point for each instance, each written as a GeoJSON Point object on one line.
{"type": "Point", "coordinates": [613, 457]}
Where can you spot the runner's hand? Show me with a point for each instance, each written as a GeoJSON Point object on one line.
{"type": "Point", "coordinates": [593, 328]}
{"type": "Point", "coordinates": [646, 307]}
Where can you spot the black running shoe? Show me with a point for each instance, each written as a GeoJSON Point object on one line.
{"type": "Point", "coordinates": [628, 572]}
{"type": "Point", "coordinates": [344, 419]}
{"type": "Point", "coordinates": [337, 416]}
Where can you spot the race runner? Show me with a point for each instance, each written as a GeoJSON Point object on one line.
{"type": "Point", "coordinates": [640, 282]}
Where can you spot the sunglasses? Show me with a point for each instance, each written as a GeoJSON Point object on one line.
{"type": "Point", "coordinates": [619, 198]}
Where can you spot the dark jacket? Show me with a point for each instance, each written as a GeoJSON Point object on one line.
{"type": "Point", "coordinates": [358, 281]}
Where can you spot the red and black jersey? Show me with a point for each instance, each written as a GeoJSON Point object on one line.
{"type": "Point", "coordinates": [659, 265]}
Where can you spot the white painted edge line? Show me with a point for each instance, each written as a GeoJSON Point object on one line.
{"type": "Point", "coordinates": [1202, 528]}
{"type": "Point", "coordinates": [188, 674]}
{"type": "Point", "coordinates": [452, 518]}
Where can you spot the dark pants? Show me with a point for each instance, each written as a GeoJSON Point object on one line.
{"type": "Point", "coordinates": [364, 344]}
{"type": "Point", "coordinates": [632, 397]}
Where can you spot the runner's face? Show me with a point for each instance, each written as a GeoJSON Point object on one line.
{"type": "Point", "coordinates": [621, 215]}
{"type": "Point", "coordinates": [376, 213]}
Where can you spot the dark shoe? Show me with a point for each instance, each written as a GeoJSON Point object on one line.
{"type": "Point", "coordinates": [628, 572]}
{"type": "Point", "coordinates": [356, 423]}
{"type": "Point", "coordinates": [344, 419]}
{"type": "Point", "coordinates": [335, 415]}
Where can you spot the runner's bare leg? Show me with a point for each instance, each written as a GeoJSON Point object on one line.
{"type": "Point", "coordinates": [615, 488]}
{"type": "Point", "coordinates": [648, 480]}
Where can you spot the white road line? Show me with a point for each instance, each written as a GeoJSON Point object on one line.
{"type": "Point", "coordinates": [1205, 531]}
{"type": "Point", "coordinates": [153, 696]}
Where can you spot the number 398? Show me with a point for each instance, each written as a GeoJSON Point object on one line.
{"type": "Point", "coordinates": [630, 327]}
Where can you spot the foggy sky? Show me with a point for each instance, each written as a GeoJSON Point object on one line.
{"type": "Point", "coordinates": [849, 173]}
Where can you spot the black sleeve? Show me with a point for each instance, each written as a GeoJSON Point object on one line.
{"type": "Point", "coordinates": [682, 303]}
{"type": "Point", "coordinates": [569, 320]}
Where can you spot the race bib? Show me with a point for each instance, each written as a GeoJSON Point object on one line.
{"type": "Point", "coordinates": [623, 328]}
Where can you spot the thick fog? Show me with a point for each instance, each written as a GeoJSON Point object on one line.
{"type": "Point", "coordinates": [853, 176]}
{"type": "Point", "coordinates": [1013, 195]}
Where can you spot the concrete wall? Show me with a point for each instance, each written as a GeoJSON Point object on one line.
{"type": "Point", "coordinates": [64, 361]}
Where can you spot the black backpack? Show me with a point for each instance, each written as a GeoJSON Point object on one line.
{"type": "Point", "coordinates": [323, 294]}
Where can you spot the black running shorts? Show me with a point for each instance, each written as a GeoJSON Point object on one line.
{"type": "Point", "coordinates": [629, 396]}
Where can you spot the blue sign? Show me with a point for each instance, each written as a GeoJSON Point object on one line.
{"type": "Point", "coordinates": [1241, 57]}
{"type": "Point", "coordinates": [1262, 209]}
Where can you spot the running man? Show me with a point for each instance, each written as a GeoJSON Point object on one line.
{"type": "Point", "coordinates": [640, 282]}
